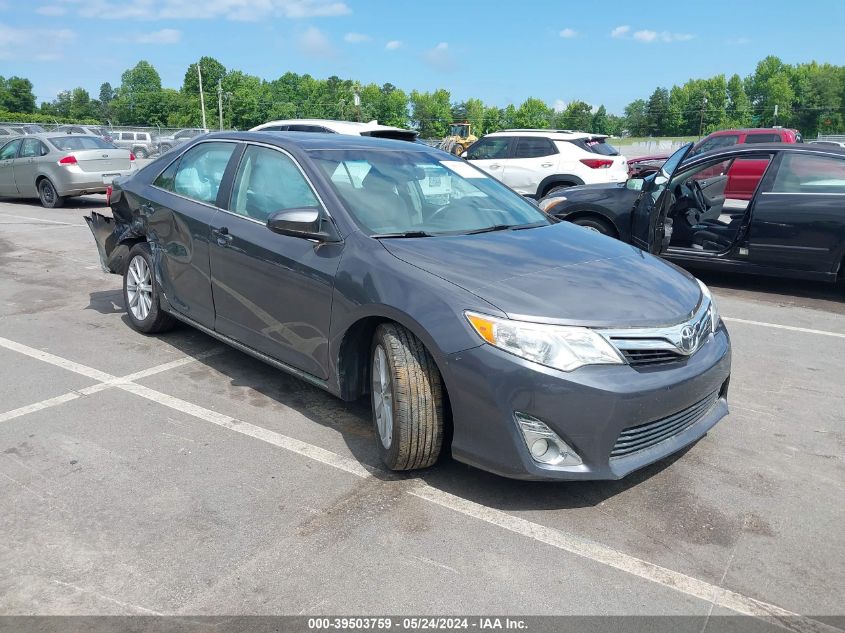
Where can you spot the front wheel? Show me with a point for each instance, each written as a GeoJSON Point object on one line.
{"type": "Point", "coordinates": [596, 224]}
{"type": "Point", "coordinates": [141, 295]}
{"type": "Point", "coordinates": [50, 198]}
{"type": "Point", "coordinates": [458, 149]}
{"type": "Point", "coordinates": [407, 399]}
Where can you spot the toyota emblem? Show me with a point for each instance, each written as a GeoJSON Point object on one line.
{"type": "Point", "coordinates": [688, 339]}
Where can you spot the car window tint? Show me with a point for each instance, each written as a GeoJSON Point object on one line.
{"type": "Point", "coordinates": [166, 179]}
{"type": "Point", "coordinates": [9, 150]}
{"type": "Point", "coordinates": [527, 147]}
{"type": "Point", "coordinates": [73, 143]}
{"type": "Point", "coordinates": [31, 147]}
{"type": "Point", "coordinates": [762, 138]}
{"type": "Point", "coordinates": [489, 148]}
{"type": "Point", "coordinates": [201, 170]}
{"type": "Point", "coordinates": [726, 140]}
{"type": "Point", "coordinates": [806, 173]}
{"type": "Point", "coordinates": [268, 181]}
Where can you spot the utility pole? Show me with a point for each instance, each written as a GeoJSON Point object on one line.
{"type": "Point", "coordinates": [357, 98]}
{"type": "Point", "coordinates": [202, 98]}
{"type": "Point", "coordinates": [775, 121]}
{"type": "Point", "coordinates": [220, 103]}
{"type": "Point", "coordinates": [701, 120]}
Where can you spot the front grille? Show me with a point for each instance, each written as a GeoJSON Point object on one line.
{"type": "Point", "coordinates": [645, 357]}
{"type": "Point", "coordinates": [645, 435]}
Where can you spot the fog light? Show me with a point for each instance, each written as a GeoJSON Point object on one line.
{"type": "Point", "coordinates": [544, 444]}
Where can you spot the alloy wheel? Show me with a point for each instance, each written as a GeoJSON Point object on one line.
{"type": "Point", "coordinates": [139, 288]}
{"type": "Point", "coordinates": [382, 396]}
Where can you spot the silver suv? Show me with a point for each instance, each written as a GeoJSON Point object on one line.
{"type": "Point", "coordinates": [139, 143]}
{"type": "Point", "coordinates": [166, 143]}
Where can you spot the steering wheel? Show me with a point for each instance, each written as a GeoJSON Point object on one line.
{"type": "Point", "coordinates": [698, 195]}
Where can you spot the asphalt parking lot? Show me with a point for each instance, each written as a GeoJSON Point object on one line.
{"type": "Point", "coordinates": [173, 475]}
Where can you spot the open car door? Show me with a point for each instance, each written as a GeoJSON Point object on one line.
{"type": "Point", "coordinates": [649, 230]}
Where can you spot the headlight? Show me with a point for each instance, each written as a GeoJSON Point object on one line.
{"type": "Point", "coordinates": [714, 308]}
{"type": "Point", "coordinates": [547, 203]}
{"type": "Point", "coordinates": [561, 347]}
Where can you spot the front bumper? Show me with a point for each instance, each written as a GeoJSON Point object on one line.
{"type": "Point", "coordinates": [588, 408]}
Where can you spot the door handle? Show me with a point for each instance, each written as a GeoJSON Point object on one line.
{"type": "Point", "coordinates": [546, 165]}
{"type": "Point", "coordinates": [495, 166]}
{"type": "Point", "coordinates": [222, 236]}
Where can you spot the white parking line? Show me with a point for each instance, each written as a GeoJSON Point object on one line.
{"type": "Point", "coordinates": [558, 539]}
{"type": "Point", "coordinates": [778, 326]}
{"type": "Point", "coordinates": [26, 217]}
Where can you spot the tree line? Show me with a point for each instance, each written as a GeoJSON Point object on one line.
{"type": "Point", "coordinates": [808, 96]}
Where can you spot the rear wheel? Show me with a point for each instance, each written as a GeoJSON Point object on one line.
{"type": "Point", "coordinates": [140, 293]}
{"type": "Point", "coordinates": [458, 149]}
{"type": "Point", "coordinates": [407, 398]}
{"type": "Point", "coordinates": [596, 224]}
{"type": "Point", "coordinates": [141, 153]}
{"type": "Point", "coordinates": [48, 195]}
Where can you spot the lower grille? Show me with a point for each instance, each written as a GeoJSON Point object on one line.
{"type": "Point", "coordinates": [645, 435]}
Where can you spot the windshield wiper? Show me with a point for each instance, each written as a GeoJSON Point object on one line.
{"type": "Point", "coordinates": [379, 236]}
{"type": "Point", "coordinates": [490, 229]}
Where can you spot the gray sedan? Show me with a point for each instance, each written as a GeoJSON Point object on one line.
{"type": "Point", "coordinates": [53, 166]}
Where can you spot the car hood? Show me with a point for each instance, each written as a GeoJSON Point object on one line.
{"type": "Point", "coordinates": [558, 274]}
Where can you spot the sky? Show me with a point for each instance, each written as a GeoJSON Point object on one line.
{"type": "Point", "coordinates": [600, 51]}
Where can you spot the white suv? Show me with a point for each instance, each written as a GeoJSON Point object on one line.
{"type": "Point", "coordinates": [536, 162]}
{"type": "Point", "coordinates": [328, 126]}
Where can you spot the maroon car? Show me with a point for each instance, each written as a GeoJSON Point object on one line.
{"type": "Point", "coordinates": [642, 166]}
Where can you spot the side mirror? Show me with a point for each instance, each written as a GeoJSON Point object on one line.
{"type": "Point", "coordinates": [305, 222]}
{"type": "Point", "coordinates": [660, 180]}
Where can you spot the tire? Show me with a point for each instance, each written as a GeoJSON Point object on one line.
{"type": "Point", "coordinates": [141, 153]}
{"type": "Point", "coordinates": [458, 149]}
{"type": "Point", "coordinates": [142, 307]}
{"type": "Point", "coordinates": [408, 407]}
{"type": "Point", "coordinates": [50, 198]}
{"type": "Point", "coordinates": [596, 224]}
{"type": "Point", "coordinates": [164, 148]}
{"type": "Point", "coordinates": [556, 189]}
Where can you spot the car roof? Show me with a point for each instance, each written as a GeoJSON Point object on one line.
{"type": "Point", "coordinates": [324, 141]}
{"type": "Point", "coordinates": [753, 130]}
{"type": "Point", "coordinates": [756, 148]}
{"type": "Point", "coordinates": [342, 127]}
{"type": "Point", "coordinates": [558, 135]}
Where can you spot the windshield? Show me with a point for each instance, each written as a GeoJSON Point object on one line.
{"type": "Point", "coordinates": [73, 143]}
{"type": "Point", "coordinates": [397, 192]}
{"type": "Point", "coordinates": [459, 130]}
{"type": "Point", "coordinates": [600, 146]}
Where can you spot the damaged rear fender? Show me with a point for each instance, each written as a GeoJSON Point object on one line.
{"type": "Point", "coordinates": [114, 239]}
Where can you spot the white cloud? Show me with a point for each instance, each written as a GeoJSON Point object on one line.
{"type": "Point", "coordinates": [649, 36]}
{"type": "Point", "coordinates": [164, 36]}
{"type": "Point", "coordinates": [51, 10]}
{"type": "Point", "coordinates": [440, 58]}
{"type": "Point", "coordinates": [246, 10]}
{"type": "Point", "coordinates": [37, 44]}
{"type": "Point", "coordinates": [645, 36]}
{"type": "Point", "coordinates": [568, 33]}
{"type": "Point", "coordinates": [315, 43]}
{"type": "Point", "coordinates": [356, 38]}
{"type": "Point", "coordinates": [559, 106]}
{"type": "Point", "coordinates": [392, 45]}
{"type": "Point", "coordinates": [620, 31]}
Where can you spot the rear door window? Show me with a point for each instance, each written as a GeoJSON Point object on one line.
{"type": "Point", "coordinates": [489, 148]}
{"type": "Point", "coordinates": [809, 174]}
{"type": "Point", "coordinates": [529, 147]}
{"type": "Point", "coordinates": [725, 140]}
{"type": "Point", "coordinates": [200, 171]}
{"type": "Point", "coordinates": [31, 148]}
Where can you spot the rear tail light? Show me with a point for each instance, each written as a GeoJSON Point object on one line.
{"type": "Point", "coordinates": [108, 194]}
{"type": "Point", "coordinates": [131, 156]}
{"type": "Point", "coordinates": [68, 160]}
{"type": "Point", "coordinates": [597, 163]}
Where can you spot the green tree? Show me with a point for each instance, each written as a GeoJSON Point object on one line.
{"type": "Point", "coordinates": [738, 110]}
{"type": "Point", "coordinates": [636, 120]}
{"type": "Point", "coordinates": [16, 95]}
{"type": "Point", "coordinates": [601, 122]}
{"type": "Point", "coordinates": [657, 112]}
{"type": "Point", "coordinates": [533, 113]}
{"type": "Point", "coordinates": [431, 113]}
{"type": "Point", "coordinates": [578, 115]}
